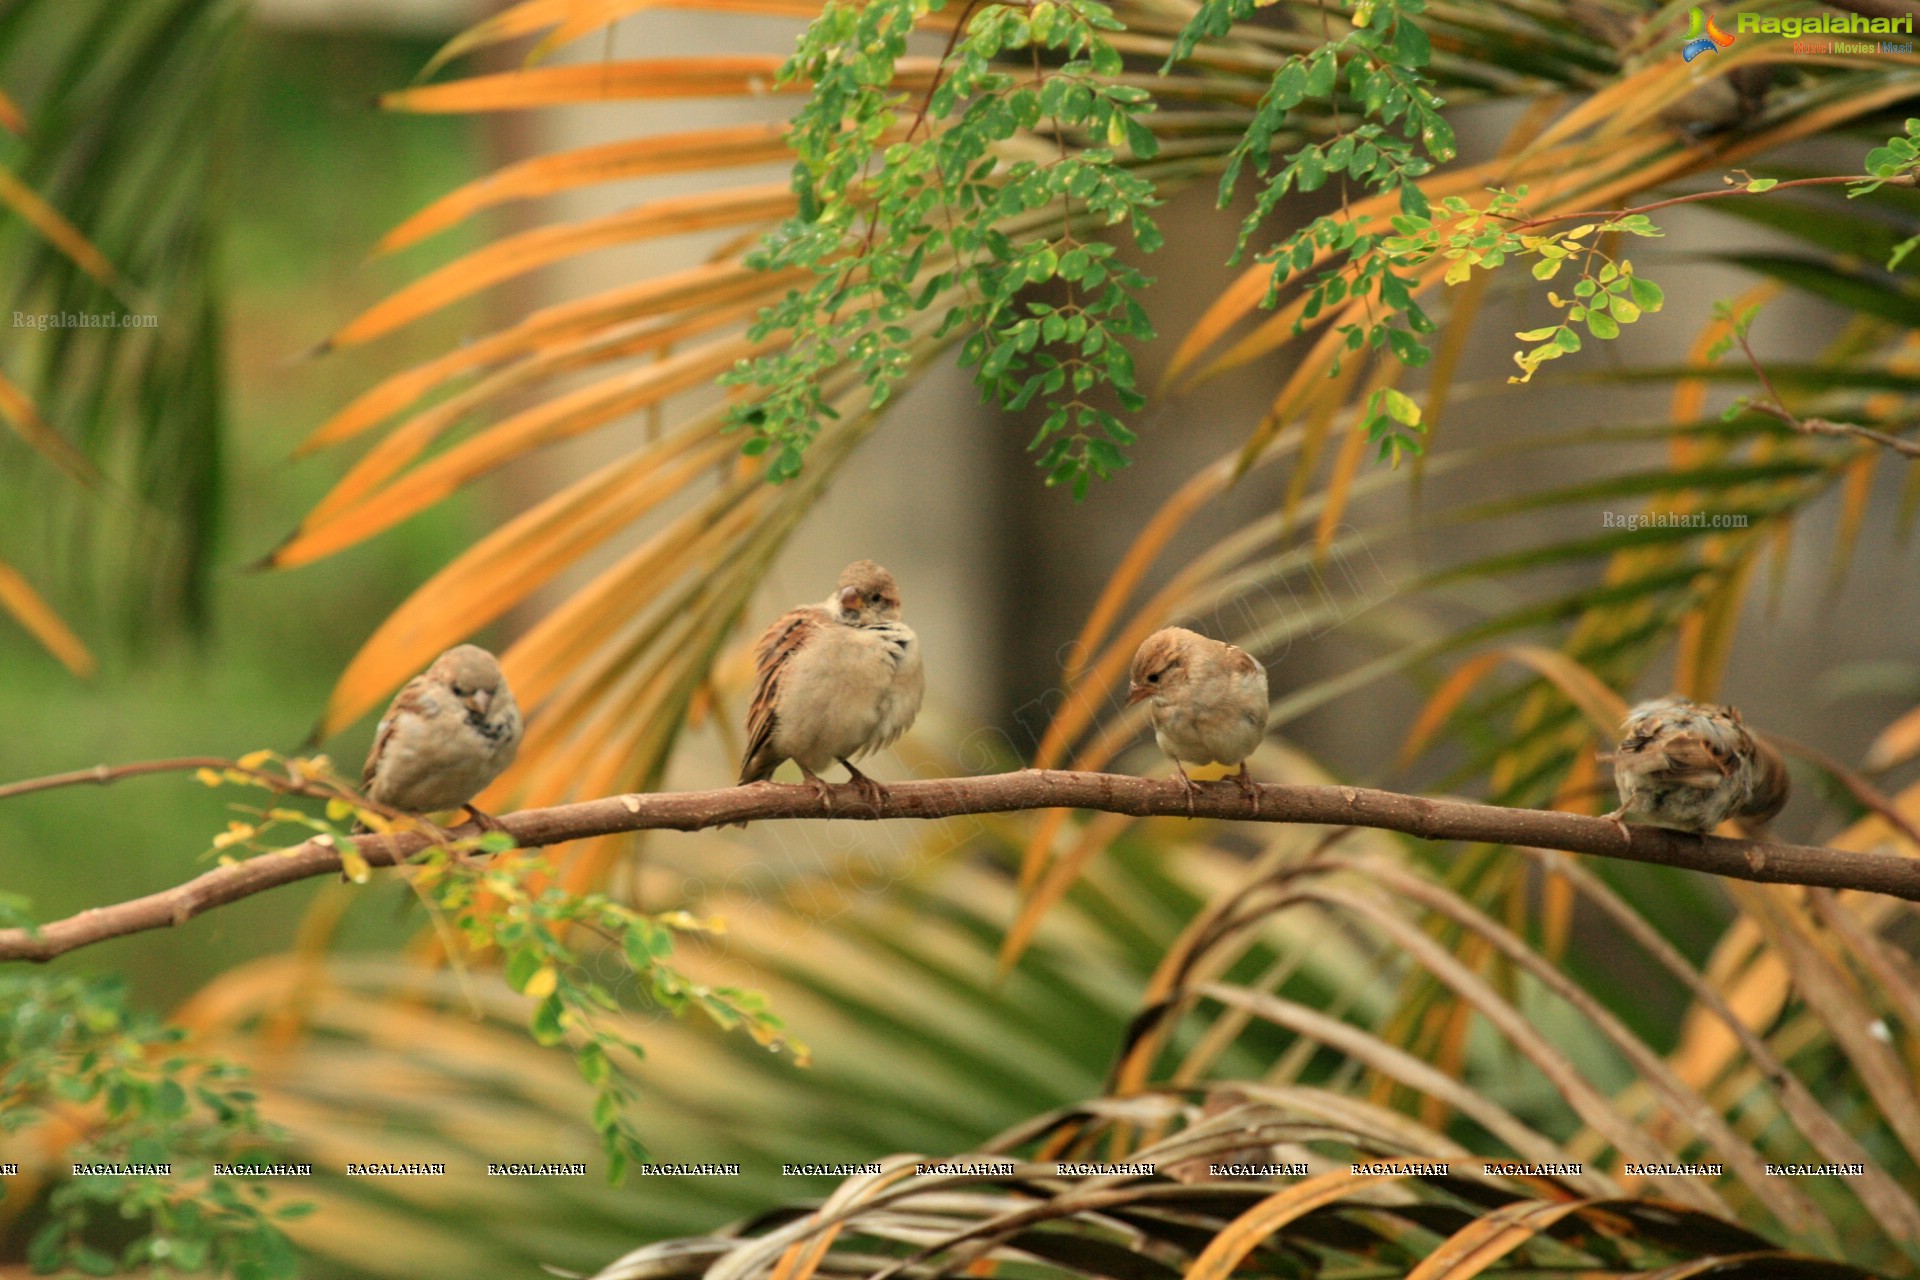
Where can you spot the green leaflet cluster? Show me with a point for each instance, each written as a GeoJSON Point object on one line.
{"type": "Point", "coordinates": [72, 1048]}
{"type": "Point", "coordinates": [1898, 161]}
{"type": "Point", "coordinates": [957, 216]}
{"type": "Point", "coordinates": [1606, 295]}
{"type": "Point", "coordinates": [513, 907]}
{"type": "Point", "coordinates": [1373, 70]}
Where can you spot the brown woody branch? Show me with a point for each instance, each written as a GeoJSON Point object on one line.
{"type": "Point", "coordinates": [1421, 816]}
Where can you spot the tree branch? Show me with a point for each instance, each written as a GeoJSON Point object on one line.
{"type": "Point", "coordinates": [1776, 407]}
{"type": "Point", "coordinates": [1823, 427]}
{"type": "Point", "coordinates": [102, 774]}
{"type": "Point", "coordinates": [1718, 193]}
{"type": "Point", "coordinates": [1420, 816]}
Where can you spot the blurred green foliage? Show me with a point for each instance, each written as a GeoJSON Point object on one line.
{"type": "Point", "coordinates": [303, 134]}
{"type": "Point", "coordinates": [162, 1127]}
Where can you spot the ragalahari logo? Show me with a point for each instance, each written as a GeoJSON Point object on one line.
{"type": "Point", "coordinates": [1703, 35]}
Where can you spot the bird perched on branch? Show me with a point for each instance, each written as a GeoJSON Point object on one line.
{"type": "Point", "coordinates": [1207, 701]}
{"type": "Point", "coordinates": [1693, 766]}
{"type": "Point", "coordinates": [836, 680]}
{"type": "Point", "coordinates": [450, 731]}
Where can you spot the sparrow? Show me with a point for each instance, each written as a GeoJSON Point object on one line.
{"type": "Point", "coordinates": [1692, 766]}
{"type": "Point", "coordinates": [1207, 701]}
{"type": "Point", "coordinates": [449, 732]}
{"type": "Point", "coordinates": [835, 680]}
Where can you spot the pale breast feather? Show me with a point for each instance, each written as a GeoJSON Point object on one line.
{"type": "Point", "coordinates": [899, 641]}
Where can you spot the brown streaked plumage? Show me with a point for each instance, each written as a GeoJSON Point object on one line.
{"type": "Point", "coordinates": [836, 681]}
{"type": "Point", "coordinates": [1692, 766]}
{"type": "Point", "coordinates": [449, 732]}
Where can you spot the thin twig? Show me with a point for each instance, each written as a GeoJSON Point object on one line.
{"type": "Point", "coordinates": [940, 68]}
{"type": "Point", "coordinates": [1824, 427]}
{"type": "Point", "coordinates": [1869, 796]}
{"type": "Point", "coordinates": [316, 786]}
{"type": "Point", "coordinates": [1609, 215]}
{"type": "Point", "coordinates": [1775, 407]}
{"type": "Point", "coordinates": [1429, 819]}
{"type": "Point", "coordinates": [103, 775]}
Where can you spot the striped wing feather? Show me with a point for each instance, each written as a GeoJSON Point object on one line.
{"type": "Point", "coordinates": [772, 657]}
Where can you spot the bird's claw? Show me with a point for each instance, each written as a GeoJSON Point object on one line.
{"type": "Point", "coordinates": [874, 793]}
{"type": "Point", "coordinates": [1248, 787]}
{"type": "Point", "coordinates": [821, 788]}
{"type": "Point", "coordinates": [1186, 785]}
{"type": "Point", "coordinates": [486, 821]}
{"type": "Point", "coordinates": [1619, 819]}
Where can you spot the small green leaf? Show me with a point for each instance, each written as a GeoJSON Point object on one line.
{"type": "Point", "coordinates": [1400, 407]}
{"type": "Point", "coordinates": [92, 1261]}
{"type": "Point", "coordinates": [521, 966]}
{"type": "Point", "coordinates": [547, 1025]}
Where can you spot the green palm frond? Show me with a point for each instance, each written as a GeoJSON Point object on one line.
{"type": "Point", "coordinates": [123, 137]}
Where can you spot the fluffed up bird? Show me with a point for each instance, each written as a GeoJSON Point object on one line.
{"type": "Point", "coordinates": [450, 731]}
{"type": "Point", "coordinates": [836, 680]}
{"type": "Point", "coordinates": [1693, 766]}
{"type": "Point", "coordinates": [1207, 701]}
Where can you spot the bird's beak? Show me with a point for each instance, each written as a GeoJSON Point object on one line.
{"type": "Point", "coordinates": [849, 599]}
{"type": "Point", "coordinates": [480, 700]}
{"type": "Point", "coordinates": [1138, 691]}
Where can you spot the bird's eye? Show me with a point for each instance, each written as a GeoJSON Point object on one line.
{"type": "Point", "coordinates": [1154, 678]}
{"type": "Point", "coordinates": [874, 598]}
{"type": "Point", "coordinates": [458, 692]}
